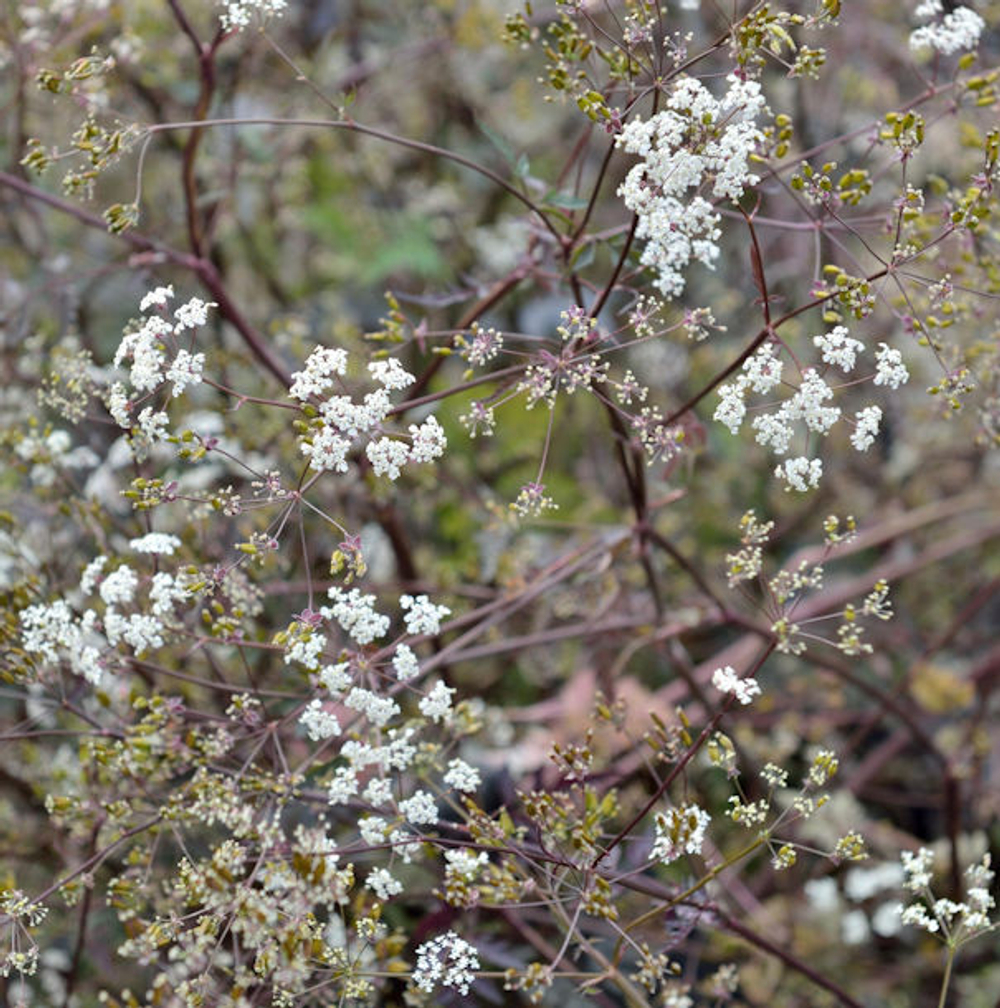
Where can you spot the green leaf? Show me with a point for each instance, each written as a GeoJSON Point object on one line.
{"type": "Point", "coordinates": [501, 145]}
{"type": "Point", "coordinates": [583, 255]}
{"type": "Point", "coordinates": [564, 200]}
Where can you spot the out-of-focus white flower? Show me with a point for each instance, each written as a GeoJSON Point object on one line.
{"type": "Point", "coordinates": [404, 663]}
{"type": "Point", "coordinates": [383, 883]}
{"type": "Point", "coordinates": [238, 14]}
{"type": "Point", "coordinates": [156, 298]}
{"type": "Point", "coordinates": [160, 543]}
{"type": "Point", "coordinates": [119, 586]}
{"type": "Point", "coordinates": [191, 314]}
{"type": "Point", "coordinates": [725, 680]}
{"type": "Point", "coordinates": [957, 30]}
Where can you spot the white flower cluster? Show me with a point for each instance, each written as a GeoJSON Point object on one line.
{"type": "Point", "coordinates": [356, 614]}
{"type": "Point", "coordinates": [889, 367]}
{"type": "Point", "coordinates": [145, 347]}
{"type": "Point", "coordinates": [839, 349]}
{"type": "Point", "coordinates": [390, 373]}
{"type": "Point", "coordinates": [801, 473]}
{"type": "Point", "coordinates": [437, 704]}
{"type": "Point", "coordinates": [305, 645]}
{"type": "Point", "coordinates": [404, 663]}
{"type": "Point", "coordinates": [957, 30]}
{"type": "Point", "coordinates": [462, 777]}
{"type": "Point", "coordinates": [342, 421]}
{"type": "Point", "coordinates": [380, 710]}
{"type": "Point", "coordinates": [239, 13]}
{"type": "Point", "coordinates": [725, 680]}
{"type": "Point", "coordinates": [53, 632]}
{"type": "Point", "coordinates": [389, 750]}
{"type": "Point", "coordinates": [322, 366]}
{"type": "Point", "coordinates": [46, 630]}
{"type": "Point", "coordinates": [118, 588]}
{"type": "Point", "coordinates": [956, 922]}
{"type": "Point", "coordinates": [319, 723]}
{"type": "Point", "coordinates": [157, 543]}
{"type": "Point", "coordinates": [695, 140]}
{"type": "Point", "coordinates": [52, 450]}
{"type": "Point", "coordinates": [383, 883]}
{"type": "Point", "coordinates": [378, 791]}
{"type": "Point", "coordinates": [423, 617]}
{"type": "Point", "coordinates": [866, 423]}
{"type": "Point", "coordinates": [185, 370]}
{"type": "Point", "coordinates": [146, 350]}
{"type": "Point", "coordinates": [447, 961]}
{"type": "Point", "coordinates": [463, 864]}
{"type": "Point", "coordinates": [679, 831]}
{"type": "Point", "coordinates": [808, 405]}
{"type": "Point", "coordinates": [420, 809]}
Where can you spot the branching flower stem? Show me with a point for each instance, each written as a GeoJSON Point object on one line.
{"type": "Point", "coordinates": [680, 764]}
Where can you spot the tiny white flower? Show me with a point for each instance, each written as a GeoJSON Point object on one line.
{"type": "Point", "coordinates": [380, 710]}
{"type": "Point", "coordinates": [404, 663]}
{"type": "Point", "coordinates": [356, 614]}
{"type": "Point", "coordinates": [343, 787]}
{"type": "Point", "coordinates": [91, 573]}
{"type": "Point", "coordinates": [446, 961]}
{"type": "Point", "coordinates": [725, 680]}
{"type": "Point", "coordinates": [319, 723]}
{"type": "Point", "coordinates": [390, 373]}
{"type": "Point", "coordinates": [156, 298]}
{"type": "Point", "coordinates": [119, 586]}
{"type": "Point", "coordinates": [322, 366]}
{"type": "Point", "coordinates": [159, 543]}
{"type": "Point", "coordinates": [378, 791]}
{"type": "Point", "coordinates": [383, 884]}
{"type": "Point", "coordinates": [462, 777]}
{"type": "Point", "coordinates": [429, 441]}
{"type": "Point", "coordinates": [800, 474]}
{"type": "Point", "coordinates": [839, 349]}
{"type": "Point", "coordinates": [866, 423]}
{"type": "Point", "coordinates": [239, 13]}
{"type": "Point", "coordinates": [437, 704]}
{"type": "Point", "coordinates": [679, 831]}
{"type": "Point", "coordinates": [192, 314]}
{"type": "Point", "coordinates": [387, 456]}
{"type": "Point", "coordinates": [959, 29]}
{"type": "Point", "coordinates": [185, 370]}
{"type": "Point", "coordinates": [421, 809]}
{"type": "Point", "coordinates": [423, 617]}
{"type": "Point", "coordinates": [890, 369]}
